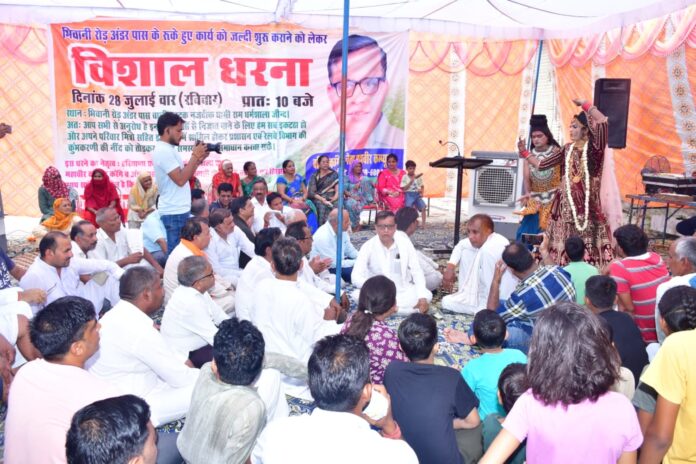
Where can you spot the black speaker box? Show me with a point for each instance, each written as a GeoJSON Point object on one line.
{"type": "Point", "coordinates": [611, 97]}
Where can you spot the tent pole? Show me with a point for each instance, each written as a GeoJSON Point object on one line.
{"type": "Point", "coordinates": [342, 147]}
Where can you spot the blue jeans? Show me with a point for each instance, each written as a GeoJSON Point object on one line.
{"type": "Point", "coordinates": [517, 338]}
{"type": "Point", "coordinates": [173, 224]}
{"type": "Point", "coordinates": [414, 200]}
{"type": "Point", "coordinates": [346, 273]}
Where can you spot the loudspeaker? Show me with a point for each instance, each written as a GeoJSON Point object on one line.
{"type": "Point", "coordinates": [611, 97]}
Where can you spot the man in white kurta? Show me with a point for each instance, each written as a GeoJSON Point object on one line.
{"type": "Point", "coordinates": [57, 273]}
{"type": "Point", "coordinates": [407, 222]}
{"type": "Point", "coordinates": [226, 244]}
{"type": "Point", "coordinates": [322, 278]}
{"type": "Point", "coordinates": [287, 316]}
{"type": "Point", "coordinates": [390, 253]}
{"type": "Point", "coordinates": [476, 257]}
{"type": "Point", "coordinates": [135, 357]}
{"type": "Point", "coordinates": [262, 211]}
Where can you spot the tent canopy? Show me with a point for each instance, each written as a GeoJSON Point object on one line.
{"type": "Point", "coordinates": [493, 19]}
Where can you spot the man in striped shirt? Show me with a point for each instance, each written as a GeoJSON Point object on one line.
{"type": "Point", "coordinates": [637, 273]}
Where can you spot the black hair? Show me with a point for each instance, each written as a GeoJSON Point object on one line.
{"type": "Point", "coordinates": [238, 350]}
{"type": "Point", "coordinates": [217, 216]}
{"type": "Point", "coordinates": [287, 256]}
{"type": "Point", "coordinates": [404, 217]}
{"type": "Point", "coordinates": [355, 42]}
{"type": "Point", "coordinates": [247, 165]}
{"type": "Point", "coordinates": [197, 194]}
{"type": "Point", "coordinates": [601, 291]}
{"type": "Point", "coordinates": [168, 119]}
{"type": "Point", "coordinates": [321, 157]}
{"type": "Point", "coordinates": [338, 370]}
{"type": "Point", "coordinates": [575, 248]}
{"type": "Point", "coordinates": [192, 227]}
{"type": "Point", "coordinates": [678, 308]}
{"type": "Point", "coordinates": [392, 156]}
{"type": "Point", "coordinates": [570, 356]}
{"type": "Point", "coordinates": [512, 383]}
{"type": "Point", "coordinates": [410, 163]}
{"type": "Point", "coordinates": [266, 238]}
{"type": "Point", "coordinates": [272, 196]}
{"type": "Point", "coordinates": [382, 215]}
{"type": "Point", "coordinates": [110, 431]}
{"type": "Point", "coordinates": [517, 257]}
{"type": "Point", "coordinates": [296, 230]}
{"type": "Point", "coordinates": [135, 281]}
{"type": "Point", "coordinates": [50, 242]}
{"type": "Point", "coordinates": [631, 239]}
{"type": "Point", "coordinates": [238, 203]}
{"type": "Point", "coordinates": [417, 336]}
{"type": "Point", "coordinates": [76, 229]}
{"type": "Point", "coordinates": [286, 162]}
{"type": "Point", "coordinates": [489, 329]}
{"type": "Point", "coordinates": [224, 187]}
{"type": "Point", "coordinates": [60, 324]}
{"type": "Point", "coordinates": [260, 180]}
{"type": "Point", "coordinates": [377, 296]}
{"type": "Point", "coordinates": [485, 221]}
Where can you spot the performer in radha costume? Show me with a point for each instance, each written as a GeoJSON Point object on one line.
{"type": "Point", "coordinates": [577, 208]}
{"type": "Point", "coordinates": [539, 186]}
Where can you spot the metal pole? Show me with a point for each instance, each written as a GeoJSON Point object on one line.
{"type": "Point", "coordinates": [534, 91]}
{"type": "Point", "coordinates": [342, 147]}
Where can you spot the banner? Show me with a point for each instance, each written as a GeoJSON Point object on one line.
{"type": "Point", "coordinates": [266, 93]}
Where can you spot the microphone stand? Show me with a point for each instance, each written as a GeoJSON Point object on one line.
{"type": "Point", "coordinates": [458, 202]}
{"type": "Point", "coordinates": [449, 142]}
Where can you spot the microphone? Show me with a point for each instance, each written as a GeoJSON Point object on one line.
{"type": "Point", "coordinates": [448, 143]}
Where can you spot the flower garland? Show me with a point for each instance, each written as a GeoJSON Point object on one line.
{"type": "Point", "coordinates": [586, 172]}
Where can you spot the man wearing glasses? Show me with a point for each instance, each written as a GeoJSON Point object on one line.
{"type": "Point", "coordinates": [366, 90]}
{"type": "Point", "coordinates": [390, 253]}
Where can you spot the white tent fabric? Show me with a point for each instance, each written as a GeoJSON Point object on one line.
{"type": "Point", "coordinates": [493, 19]}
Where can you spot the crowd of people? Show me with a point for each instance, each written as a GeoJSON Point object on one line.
{"type": "Point", "coordinates": [211, 308]}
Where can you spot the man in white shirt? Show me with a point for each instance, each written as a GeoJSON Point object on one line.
{"type": "Point", "coordinates": [173, 176]}
{"type": "Point", "coordinates": [337, 431]}
{"type": "Point", "coordinates": [258, 269]}
{"type": "Point", "coordinates": [47, 392]}
{"type": "Point", "coordinates": [315, 271]}
{"type": "Point", "coordinates": [325, 241]}
{"type": "Point", "coordinates": [681, 262]}
{"type": "Point", "coordinates": [226, 244]}
{"type": "Point", "coordinates": [195, 237]}
{"type": "Point", "coordinates": [155, 237]}
{"type": "Point", "coordinates": [56, 272]}
{"type": "Point", "coordinates": [476, 256]}
{"type": "Point", "coordinates": [286, 312]}
{"type": "Point", "coordinates": [407, 222]}
{"type": "Point", "coordinates": [122, 246]}
{"type": "Point", "coordinates": [391, 254]}
{"type": "Point", "coordinates": [262, 212]}
{"type": "Point", "coordinates": [134, 355]}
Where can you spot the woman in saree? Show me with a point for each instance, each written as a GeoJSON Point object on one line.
{"type": "Point", "coordinates": [389, 185]}
{"type": "Point", "coordinates": [323, 189]}
{"type": "Point", "coordinates": [250, 178]}
{"type": "Point", "coordinates": [62, 220]}
{"type": "Point", "coordinates": [359, 191]}
{"type": "Point", "coordinates": [141, 200]}
{"type": "Point", "coordinates": [100, 192]}
{"type": "Point", "coordinates": [227, 175]}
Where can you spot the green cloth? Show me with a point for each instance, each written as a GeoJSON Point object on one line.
{"type": "Point", "coordinates": [579, 272]}
{"type": "Point", "coordinates": [491, 429]}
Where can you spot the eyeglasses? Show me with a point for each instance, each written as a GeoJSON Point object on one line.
{"type": "Point", "coordinates": [385, 226]}
{"type": "Point", "coordinates": [368, 86]}
{"type": "Point", "coordinates": [212, 274]}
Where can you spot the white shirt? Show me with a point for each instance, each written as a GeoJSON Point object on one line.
{"type": "Point", "coordinates": [289, 321]}
{"type": "Point", "coordinates": [256, 270]}
{"type": "Point", "coordinates": [114, 250]}
{"type": "Point", "coordinates": [307, 275]}
{"type": "Point", "coordinates": [287, 214]}
{"type": "Point", "coordinates": [173, 199]}
{"type": "Point", "coordinates": [324, 245]}
{"type": "Point", "coordinates": [134, 356]}
{"type": "Point", "coordinates": [328, 436]}
{"type": "Point", "coordinates": [375, 259]}
{"type": "Point", "coordinates": [661, 289]}
{"type": "Point", "coordinates": [260, 211]}
{"type": "Point", "coordinates": [190, 320]}
{"type": "Point", "coordinates": [171, 270]}
{"type": "Point", "coordinates": [45, 277]}
{"type": "Point", "coordinates": [223, 253]}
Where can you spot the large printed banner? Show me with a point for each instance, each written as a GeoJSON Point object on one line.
{"type": "Point", "coordinates": [267, 93]}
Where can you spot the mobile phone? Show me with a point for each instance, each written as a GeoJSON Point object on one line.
{"type": "Point", "coordinates": [532, 239]}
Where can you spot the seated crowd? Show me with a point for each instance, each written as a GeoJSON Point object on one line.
{"type": "Point", "coordinates": [211, 313]}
